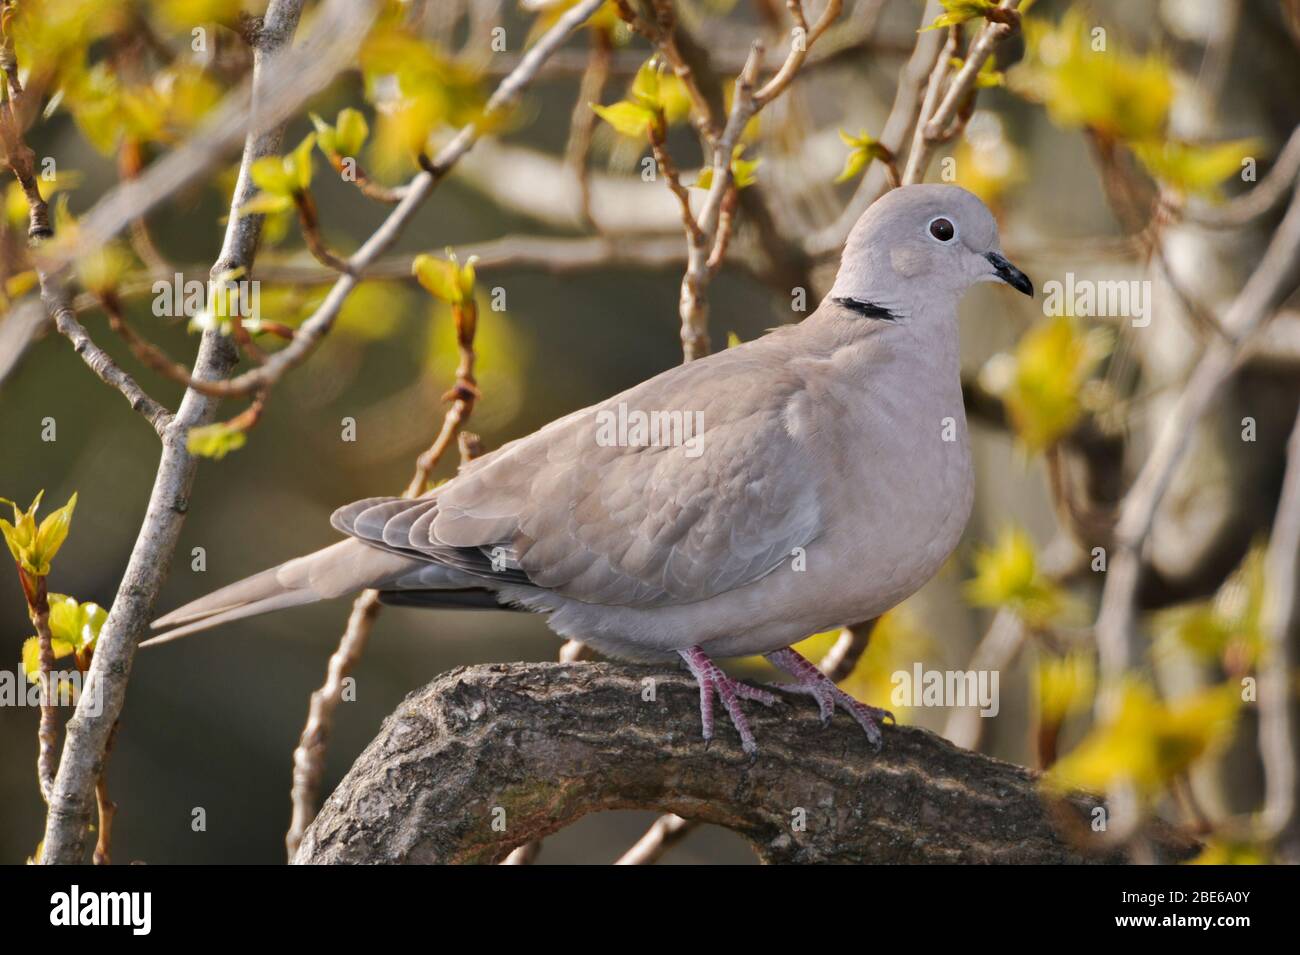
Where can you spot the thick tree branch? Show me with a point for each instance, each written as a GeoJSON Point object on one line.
{"type": "Point", "coordinates": [487, 758]}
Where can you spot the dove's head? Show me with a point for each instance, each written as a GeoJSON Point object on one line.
{"type": "Point", "coordinates": [922, 244]}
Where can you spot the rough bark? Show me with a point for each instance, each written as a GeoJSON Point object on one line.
{"type": "Point", "coordinates": [533, 747]}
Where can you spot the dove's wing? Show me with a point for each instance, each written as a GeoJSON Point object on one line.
{"type": "Point", "coordinates": [569, 511]}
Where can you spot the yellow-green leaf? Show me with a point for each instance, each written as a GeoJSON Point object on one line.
{"type": "Point", "coordinates": [298, 163]}
{"type": "Point", "coordinates": [350, 132]}
{"type": "Point", "coordinates": [628, 119]}
{"type": "Point", "coordinates": [645, 86]}
{"type": "Point", "coordinates": [958, 12]}
{"type": "Point", "coordinates": [854, 163]}
{"type": "Point", "coordinates": [862, 149]}
{"type": "Point", "coordinates": [53, 532]}
{"type": "Point", "coordinates": [1148, 741]}
{"type": "Point", "coordinates": [270, 175]}
{"type": "Point", "coordinates": [33, 546]}
{"type": "Point", "coordinates": [446, 279]}
{"type": "Point", "coordinates": [1065, 685]}
{"type": "Point", "coordinates": [215, 440]}
{"type": "Point", "coordinates": [1195, 168]}
{"type": "Point", "coordinates": [1113, 91]}
{"type": "Point", "coordinates": [1007, 575]}
{"type": "Point", "coordinates": [1042, 383]}
{"type": "Point", "coordinates": [75, 624]}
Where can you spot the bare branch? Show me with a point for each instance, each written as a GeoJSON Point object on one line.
{"type": "Point", "coordinates": [309, 755]}
{"type": "Point", "coordinates": [1267, 287]}
{"type": "Point", "coordinates": [693, 307]}
{"type": "Point", "coordinates": [801, 42]}
{"type": "Point", "coordinates": [918, 156]}
{"type": "Point", "coordinates": [902, 117]}
{"type": "Point", "coordinates": [1279, 723]}
{"type": "Point", "coordinates": [933, 127]}
{"type": "Point", "coordinates": [89, 733]}
{"type": "Point", "coordinates": [54, 292]}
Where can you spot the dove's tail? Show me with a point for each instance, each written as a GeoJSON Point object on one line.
{"type": "Point", "coordinates": [344, 568]}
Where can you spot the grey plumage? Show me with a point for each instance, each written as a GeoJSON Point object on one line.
{"type": "Point", "coordinates": [821, 489]}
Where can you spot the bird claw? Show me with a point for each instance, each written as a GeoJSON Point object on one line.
{"type": "Point", "coordinates": [730, 691]}
{"type": "Point", "coordinates": [812, 682]}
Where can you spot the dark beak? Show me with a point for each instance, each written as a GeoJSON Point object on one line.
{"type": "Point", "coordinates": [1008, 273]}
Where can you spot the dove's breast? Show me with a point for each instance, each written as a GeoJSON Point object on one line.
{"type": "Point", "coordinates": [903, 485]}
{"type": "Point", "coordinates": [884, 421]}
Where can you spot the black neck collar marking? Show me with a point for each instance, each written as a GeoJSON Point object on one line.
{"type": "Point", "coordinates": [866, 309]}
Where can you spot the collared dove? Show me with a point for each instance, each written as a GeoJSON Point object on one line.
{"type": "Point", "coordinates": [816, 475]}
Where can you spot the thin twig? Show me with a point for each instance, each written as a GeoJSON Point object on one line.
{"type": "Point", "coordinates": [54, 292]}
{"type": "Point", "coordinates": [47, 734]}
{"type": "Point", "coordinates": [106, 809]}
{"type": "Point", "coordinates": [582, 121]}
{"type": "Point", "coordinates": [801, 42]}
{"type": "Point", "coordinates": [309, 221]}
{"type": "Point", "coordinates": [668, 168]}
{"type": "Point", "coordinates": [309, 756]}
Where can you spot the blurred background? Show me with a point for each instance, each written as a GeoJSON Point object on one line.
{"type": "Point", "coordinates": [212, 721]}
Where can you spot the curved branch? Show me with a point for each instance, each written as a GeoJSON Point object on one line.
{"type": "Point", "coordinates": [487, 758]}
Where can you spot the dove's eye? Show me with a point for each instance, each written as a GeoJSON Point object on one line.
{"type": "Point", "coordinates": [942, 229]}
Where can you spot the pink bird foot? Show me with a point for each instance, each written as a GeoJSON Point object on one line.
{"type": "Point", "coordinates": [813, 682]}
{"type": "Point", "coordinates": [730, 690]}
